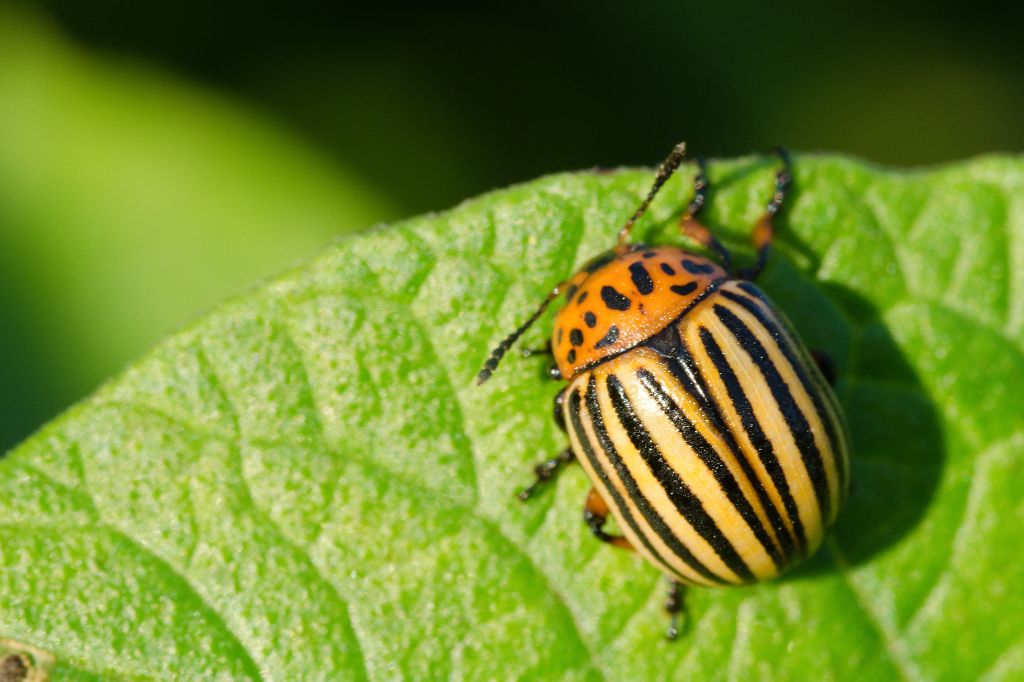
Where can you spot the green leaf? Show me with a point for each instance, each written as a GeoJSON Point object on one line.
{"type": "Point", "coordinates": [129, 201]}
{"type": "Point", "coordinates": [307, 484]}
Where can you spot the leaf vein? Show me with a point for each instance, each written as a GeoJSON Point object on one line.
{"type": "Point", "coordinates": [246, 658]}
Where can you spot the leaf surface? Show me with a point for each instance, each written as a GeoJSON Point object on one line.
{"type": "Point", "coordinates": [307, 484]}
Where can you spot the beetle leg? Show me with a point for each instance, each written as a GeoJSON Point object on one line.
{"type": "Point", "coordinates": [762, 232]}
{"type": "Point", "coordinates": [545, 471]}
{"type": "Point", "coordinates": [557, 412]}
{"type": "Point", "coordinates": [543, 350]}
{"type": "Point", "coordinates": [553, 371]}
{"type": "Point", "coordinates": [674, 606]}
{"type": "Point", "coordinates": [825, 365]}
{"type": "Point", "coordinates": [595, 513]}
{"type": "Point", "coordinates": [688, 224]}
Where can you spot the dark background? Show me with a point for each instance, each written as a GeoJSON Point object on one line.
{"type": "Point", "coordinates": [484, 98]}
{"type": "Point", "coordinates": [430, 105]}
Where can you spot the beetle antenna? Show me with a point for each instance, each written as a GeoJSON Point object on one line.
{"type": "Point", "coordinates": [498, 353]}
{"type": "Point", "coordinates": [665, 171]}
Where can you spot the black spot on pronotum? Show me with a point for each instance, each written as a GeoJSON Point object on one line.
{"type": "Point", "coordinates": [613, 299]}
{"type": "Point", "coordinates": [575, 337]}
{"type": "Point", "coordinates": [667, 269]}
{"type": "Point", "coordinates": [641, 278]}
{"type": "Point", "coordinates": [649, 254]}
{"type": "Point", "coordinates": [684, 289]}
{"type": "Point", "coordinates": [571, 357]}
{"type": "Point", "coordinates": [590, 318]}
{"type": "Point", "coordinates": [582, 297]}
{"type": "Point", "coordinates": [608, 339]}
{"type": "Point", "coordinates": [697, 268]}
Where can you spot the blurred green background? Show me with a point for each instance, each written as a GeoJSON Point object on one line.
{"type": "Point", "coordinates": [156, 157]}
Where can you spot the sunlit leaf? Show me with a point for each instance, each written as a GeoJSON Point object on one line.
{"type": "Point", "coordinates": [307, 484]}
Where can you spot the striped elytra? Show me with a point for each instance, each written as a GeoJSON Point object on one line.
{"type": "Point", "coordinates": [707, 429]}
{"type": "Point", "coordinates": [717, 444]}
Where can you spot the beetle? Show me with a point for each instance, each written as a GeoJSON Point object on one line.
{"type": "Point", "coordinates": [708, 431]}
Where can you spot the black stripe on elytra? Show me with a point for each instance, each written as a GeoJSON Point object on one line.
{"type": "Point", "coordinates": [824, 389]}
{"type": "Point", "coordinates": [791, 414]}
{"type": "Point", "coordinates": [667, 269]}
{"type": "Point", "coordinates": [697, 268]}
{"type": "Point", "coordinates": [807, 378]}
{"type": "Point", "coordinates": [641, 278]}
{"type": "Point", "coordinates": [711, 460]}
{"type": "Point", "coordinates": [608, 339]}
{"type": "Point", "coordinates": [656, 523]}
{"type": "Point", "coordinates": [685, 369]}
{"type": "Point", "coordinates": [760, 441]}
{"type": "Point", "coordinates": [582, 297]}
{"type": "Point", "coordinates": [588, 450]}
{"type": "Point", "coordinates": [684, 289]}
{"type": "Point", "coordinates": [686, 503]}
{"type": "Point", "coordinates": [613, 299]}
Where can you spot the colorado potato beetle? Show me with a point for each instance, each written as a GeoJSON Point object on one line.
{"type": "Point", "coordinates": [707, 429]}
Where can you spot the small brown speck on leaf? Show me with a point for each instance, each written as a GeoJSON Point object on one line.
{"type": "Point", "coordinates": [13, 668]}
